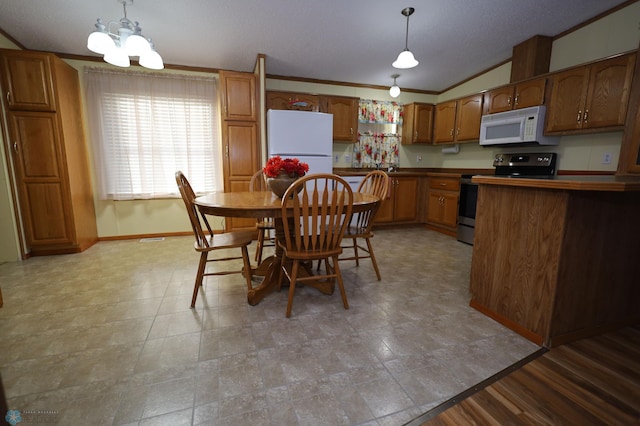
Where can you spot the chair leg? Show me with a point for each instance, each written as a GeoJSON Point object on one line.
{"type": "Point", "coordinates": [247, 266]}
{"type": "Point", "coordinates": [280, 272]}
{"type": "Point", "coordinates": [343, 293]}
{"type": "Point", "coordinates": [373, 258]}
{"type": "Point", "coordinates": [259, 246]}
{"type": "Point", "coordinates": [201, 267]}
{"type": "Point", "coordinates": [355, 251]}
{"type": "Point", "coordinates": [292, 286]}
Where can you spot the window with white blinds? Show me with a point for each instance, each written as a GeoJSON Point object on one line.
{"type": "Point", "coordinates": [145, 127]}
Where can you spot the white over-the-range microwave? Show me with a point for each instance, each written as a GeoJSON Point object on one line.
{"type": "Point", "coordinates": [520, 126]}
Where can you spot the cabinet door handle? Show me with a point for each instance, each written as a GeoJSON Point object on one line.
{"type": "Point", "coordinates": [451, 132]}
{"type": "Point", "coordinates": [586, 115]}
{"type": "Point", "coordinates": [579, 115]}
{"type": "Point", "coordinates": [515, 101]}
{"type": "Point", "coordinates": [351, 129]}
{"type": "Point", "coordinates": [509, 101]}
{"type": "Point", "coordinates": [416, 136]}
{"type": "Point", "coordinates": [226, 150]}
{"type": "Point", "coordinates": [457, 131]}
{"type": "Point", "coordinates": [8, 97]}
{"type": "Point", "coordinates": [15, 146]}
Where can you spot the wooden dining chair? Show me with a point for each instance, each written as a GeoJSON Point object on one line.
{"type": "Point", "coordinates": [360, 228]}
{"type": "Point", "coordinates": [206, 242]}
{"type": "Point", "coordinates": [317, 207]}
{"type": "Point", "coordinates": [264, 225]}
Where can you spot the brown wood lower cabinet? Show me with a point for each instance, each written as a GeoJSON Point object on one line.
{"type": "Point", "coordinates": [556, 265]}
{"type": "Point", "coordinates": [443, 195]}
{"type": "Point", "coordinates": [401, 206]}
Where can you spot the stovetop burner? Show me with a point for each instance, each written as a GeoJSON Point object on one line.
{"type": "Point", "coordinates": [533, 165]}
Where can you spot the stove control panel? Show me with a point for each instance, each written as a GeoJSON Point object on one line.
{"type": "Point", "coordinates": [525, 160]}
{"type": "Point", "coordinates": [526, 165]}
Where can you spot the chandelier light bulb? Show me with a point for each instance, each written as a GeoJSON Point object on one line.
{"type": "Point", "coordinates": [394, 91]}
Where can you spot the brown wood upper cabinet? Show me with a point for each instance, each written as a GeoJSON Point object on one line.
{"type": "Point", "coordinates": [522, 95]}
{"type": "Point", "coordinates": [591, 96]}
{"type": "Point", "coordinates": [27, 81]}
{"type": "Point", "coordinates": [292, 101]}
{"type": "Point", "coordinates": [417, 125]}
{"type": "Point", "coordinates": [239, 96]}
{"type": "Point", "coordinates": [343, 108]}
{"type": "Point", "coordinates": [458, 120]}
{"type": "Point", "coordinates": [345, 116]}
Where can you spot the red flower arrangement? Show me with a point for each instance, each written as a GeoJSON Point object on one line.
{"type": "Point", "coordinates": [290, 166]}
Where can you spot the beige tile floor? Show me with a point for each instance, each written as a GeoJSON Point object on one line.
{"type": "Point", "coordinates": [107, 337]}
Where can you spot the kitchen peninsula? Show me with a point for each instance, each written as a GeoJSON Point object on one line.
{"type": "Point", "coordinates": [557, 259]}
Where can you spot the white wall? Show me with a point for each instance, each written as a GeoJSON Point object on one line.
{"type": "Point", "coordinates": [9, 246]}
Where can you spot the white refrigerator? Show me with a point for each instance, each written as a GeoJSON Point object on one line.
{"type": "Point", "coordinates": [307, 136]}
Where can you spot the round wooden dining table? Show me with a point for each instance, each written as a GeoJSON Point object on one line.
{"type": "Point", "coordinates": [262, 204]}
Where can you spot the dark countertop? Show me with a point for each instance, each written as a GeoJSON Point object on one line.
{"type": "Point", "coordinates": [568, 182]}
{"type": "Point", "coordinates": [420, 172]}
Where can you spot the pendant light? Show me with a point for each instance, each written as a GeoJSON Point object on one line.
{"type": "Point", "coordinates": [128, 41]}
{"type": "Point", "coordinates": [405, 58]}
{"type": "Point", "coordinates": [394, 91]}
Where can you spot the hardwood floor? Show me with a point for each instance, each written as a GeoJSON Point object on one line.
{"type": "Point", "coordinates": [587, 382]}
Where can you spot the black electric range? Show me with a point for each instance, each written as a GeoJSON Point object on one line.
{"type": "Point", "coordinates": [532, 165]}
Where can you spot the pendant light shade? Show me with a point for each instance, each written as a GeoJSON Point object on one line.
{"type": "Point", "coordinates": [99, 40]}
{"type": "Point", "coordinates": [118, 57]}
{"type": "Point", "coordinates": [394, 91]}
{"type": "Point", "coordinates": [151, 59]}
{"type": "Point", "coordinates": [127, 41]}
{"type": "Point", "coordinates": [405, 58]}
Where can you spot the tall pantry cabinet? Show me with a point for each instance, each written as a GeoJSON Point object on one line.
{"type": "Point", "coordinates": [240, 136]}
{"type": "Point", "coordinates": [46, 148]}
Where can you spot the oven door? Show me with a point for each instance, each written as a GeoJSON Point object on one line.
{"type": "Point", "coordinates": [467, 210]}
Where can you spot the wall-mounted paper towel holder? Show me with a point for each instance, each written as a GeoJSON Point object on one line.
{"type": "Point", "coordinates": [451, 149]}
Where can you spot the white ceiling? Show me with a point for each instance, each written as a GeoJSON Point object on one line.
{"type": "Point", "coordinates": [352, 41]}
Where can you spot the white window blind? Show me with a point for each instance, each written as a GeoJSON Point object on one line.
{"type": "Point", "coordinates": [145, 127]}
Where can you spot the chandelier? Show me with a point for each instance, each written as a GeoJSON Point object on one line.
{"type": "Point", "coordinates": [127, 41]}
{"type": "Point", "coordinates": [405, 58]}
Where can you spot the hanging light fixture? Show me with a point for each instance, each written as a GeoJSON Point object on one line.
{"type": "Point", "coordinates": [394, 91]}
{"type": "Point", "coordinates": [405, 58]}
{"type": "Point", "coordinates": [128, 41]}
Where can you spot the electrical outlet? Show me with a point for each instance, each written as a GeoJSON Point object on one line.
{"type": "Point", "coordinates": [419, 158]}
{"type": "Point", "coordinates": [347, 158]}
{"type": "Point", "coordinates": [337, 158]}
{"type": "Point", "coordinates": [606, 158]}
